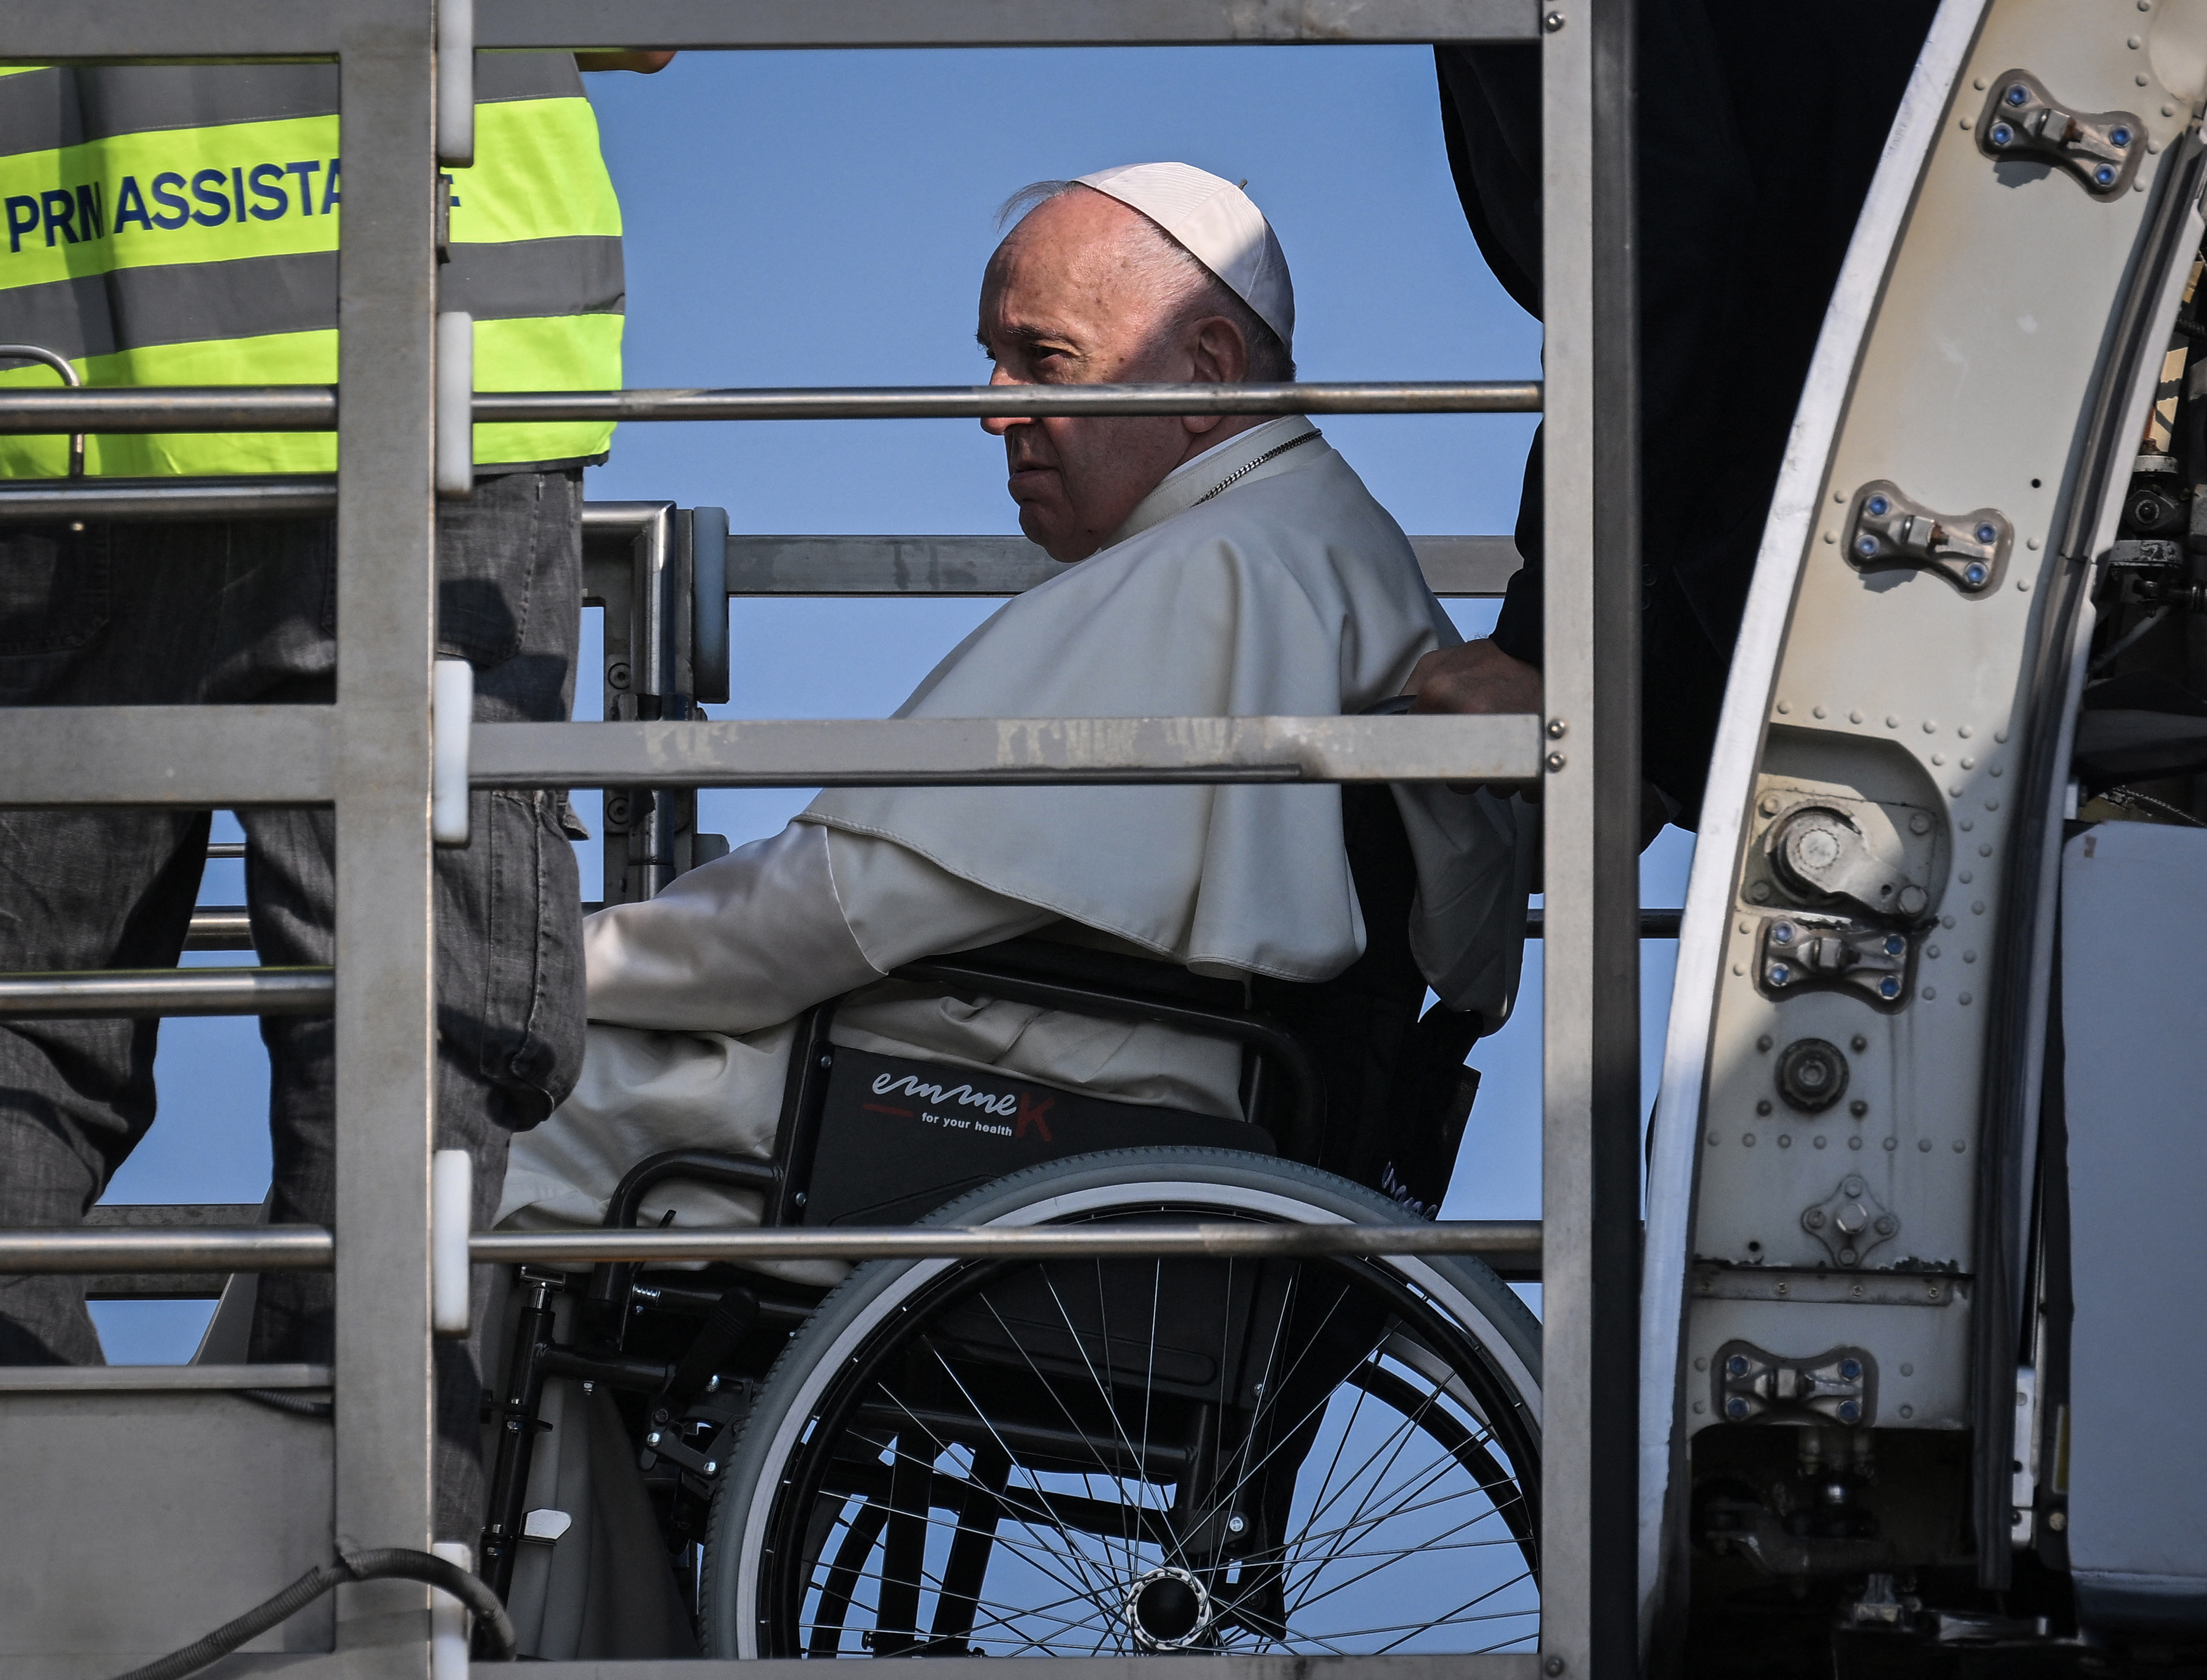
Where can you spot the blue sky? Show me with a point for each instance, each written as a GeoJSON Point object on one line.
{"type": "Point", "coordinates": [822, 218]}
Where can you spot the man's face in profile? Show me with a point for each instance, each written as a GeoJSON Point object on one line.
{"type": "Point", "coordinates": [1075, 296]}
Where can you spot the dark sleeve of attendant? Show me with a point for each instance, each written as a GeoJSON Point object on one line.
{"type": "Point", "coordinates": [1744, 217]}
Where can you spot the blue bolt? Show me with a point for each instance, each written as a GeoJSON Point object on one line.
{"type": "Point", "coordinates": [1973, 574]}
{"type": "Point", "coordinates": [1850, 1411]}
{"type": "Point", "coordinates": [2104, 175]}
{"type": "Point", "coordinates": [1894, 945]}
{"type": "Point", "coordinates": [1780, 974]}
{"type": "Point", "coordinates": [1879, 506]}
{"type": "Point", "coordinates": [1889, 988]}
{"type": "Point", "coordinates": [2120, 137]}
{"type": "Point", "coordinates": [1782, 934]}
{"type": "Point", "coordinates": [1736, 1409]}
{"type": "Point", "coordinates": [1850, 1369]}
{"type": "Point", "coordinates": [2002, 134]}
{"type": "Point", "coordinates": [1735, 1365]}
{"type": "Point", "coordinates": [1988, 533]}
{"type": "Point", "coordinates": [1866, 546]}
{"type": "Point", "coordinates": [2019, 95]}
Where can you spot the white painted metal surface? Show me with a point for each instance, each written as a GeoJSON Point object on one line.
{"type": "Point", "coordinates": [1974, 324]}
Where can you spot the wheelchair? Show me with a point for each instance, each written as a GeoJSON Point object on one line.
{"type": "Point", "coordinates": [1082, 1457]}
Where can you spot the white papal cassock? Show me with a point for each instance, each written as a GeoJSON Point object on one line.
{"type": "Point", "coordinates": [1260, 578]}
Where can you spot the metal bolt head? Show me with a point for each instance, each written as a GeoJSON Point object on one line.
{"type": "Point", "coordinates": [1553, 1665]}
{"type": "Point", "coordinates": [1556, 727]}
{"type": "Point", "coordinates": [1895, 945]}
{"type": "Point", "coordinates": [1814, 1219]}
{"type": "Point", "coordinates": [712, 1467]}
{"type": "Point", "coordinates": [1759, 891]}
{"type": "Point", "coordinates": [1848, 1257]}
{"type": "Point", "coordinates": [2018, 94]}
{"type": "Point", "coordinates": [2104, 175]}
{"type": "Point", "coordinates": [1853, 1186]}
{"type": "Point", "coordinates": [1988, 533]}
{"type": "Point", "coordinates": [1736, 1407]}
{"type": "Point", "coordinates": [1920, 822]}
{"type": "Point", "coordinates": [1555, 761]}
{"type": "Point", "coordinates": [1735, 1365]}
{"type": "Point", "coordinates": [1975, 574]}
{"type": "Point", "coordinates": [1889, 988]}
{"type": "Point", "coordinates": [1887, 1224]}
{"type": "Point", "coordinates": [2118, 136]}
{"type": "Point", "coordinates": [652, 1439]}
{"type": "Point", "coordinates": [1850, 1369]}
{"type": "Point", "coordinates": [1858, 1107]}
{"type": "Point", "coordinates": [1912, 900]}
{"type": "Point", "coordinates": [2002, 134]}
{"type": "Point", "coordinates": [1866, 546]}
{"type": "Point", "coordinates": [1851, 1411]}
{"type": "Point", "coordinates": [1553, 22]}
{"type": "Point", "coordinates": [1782, 934]}
{"type": "Point", "coordinates": [1878, 506]}
{"type": "Point", "coordinates": [1236, 1523]}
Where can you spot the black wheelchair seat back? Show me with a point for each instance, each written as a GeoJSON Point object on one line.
{"type": "Point", "coordinates": [1342, 1074]}
{"type": "Point", "coordinates": [900, 1138]}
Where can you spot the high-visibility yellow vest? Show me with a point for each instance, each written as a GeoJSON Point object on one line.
{"type": "Point", "coordinates": [178, 225]}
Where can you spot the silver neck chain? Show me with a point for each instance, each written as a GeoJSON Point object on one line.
{"type": "Point", "coordinates": [1242, 472]}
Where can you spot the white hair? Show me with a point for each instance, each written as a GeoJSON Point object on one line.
{"type": "Point", "coordinates": [1176, 272]}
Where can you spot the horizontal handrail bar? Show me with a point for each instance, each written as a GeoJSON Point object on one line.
{"type": "Point", "coordinates": [1479, 566]}
{"type": "Point", "coordinates": [932, 752]}
{"type": "Point", "coordinates": [203, 1248]}
{"type": "Point", "coordinates": [220, 927]}
{"type": "Point", "coordinates": [756, 564]}
{"type": "Point", "coordinates": [983, 401]}
{"type": "Point", "coordinates": [37, 501]}
{"type": "Point", "coordinates": [313, 408]}
{"type": "Point", "coordinates": [580, 24]}
{"type": "Point", "coordinates": [1654, 924]}
{"type": "Point", "coordinates": [1459, 1236]}
{"type": "Point", "coordinates": [310, 1248]}
{"type": "Point", "coordinates": [229, 927]}
{"type": "Point", "coordinates": [123, 992]}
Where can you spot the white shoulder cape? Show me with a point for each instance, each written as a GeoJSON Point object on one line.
{"type": "Point", "coordinates": [1289, 592]}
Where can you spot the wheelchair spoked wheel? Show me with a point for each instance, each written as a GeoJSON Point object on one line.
{"type": "Point", "coordinates": [1137, 1456]}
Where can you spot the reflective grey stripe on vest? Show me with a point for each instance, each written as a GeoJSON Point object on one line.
{"type": "Point", "coordinates": [40, 110]}
{"type": "Point", "coordinates": [248, 296]}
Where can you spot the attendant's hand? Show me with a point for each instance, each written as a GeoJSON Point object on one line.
{"type": "Point", "coordinates": [1476, 677]}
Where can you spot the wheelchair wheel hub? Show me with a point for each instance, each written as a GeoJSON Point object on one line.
{"type": "Point", "coordinates": [1168, 1609]}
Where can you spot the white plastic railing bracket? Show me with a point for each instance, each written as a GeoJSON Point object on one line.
{"type": "Point", "coordinates": [448, 1617]}
{"type": "Point", "coordinates": [451, 1204]}
{"type": "Point", "coordinates": [456, 397]}
{"type": "Point", "coordinates": [452, 722]}
{"type": "Point", "coordinates": [455, 83]}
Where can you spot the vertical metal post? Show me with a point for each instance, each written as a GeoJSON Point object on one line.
{"type": "Point", "coordinates": [386, 604]}
{"type": "Point", "coordinates": [651, 665]}
{"type": "Point", "coordinates": [1590, 1161]}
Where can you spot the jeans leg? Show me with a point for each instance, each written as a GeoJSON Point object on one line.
{"type": "Point", "coordinates": [80, 890]}
{"type": "Point", "coordinates": [508, 939]}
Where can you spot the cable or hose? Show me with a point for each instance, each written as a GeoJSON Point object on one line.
{"type": "Point", "coordinates": [389, 1562]}
{"type": "Point", "coordinates": [2130, 638]}
{"type": "Point", "coordinates": [298, 1405]}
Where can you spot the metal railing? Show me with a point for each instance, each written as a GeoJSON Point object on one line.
{"type": "Point", "coordinates": [310, 1248]}
{"type": "Point", "coordinates": [368, 755]}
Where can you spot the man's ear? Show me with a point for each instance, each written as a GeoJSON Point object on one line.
{"type": "Point", "coordinates": [1219, 353]}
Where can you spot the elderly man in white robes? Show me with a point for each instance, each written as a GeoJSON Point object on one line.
{"type": "Point", "coordinates": [1215, 566]}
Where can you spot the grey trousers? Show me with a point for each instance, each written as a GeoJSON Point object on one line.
{"type": "Point", "coordinates": [231, 613]}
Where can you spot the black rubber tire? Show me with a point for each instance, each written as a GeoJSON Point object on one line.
{"type": "Point", "coordinates": [1505, 1334]}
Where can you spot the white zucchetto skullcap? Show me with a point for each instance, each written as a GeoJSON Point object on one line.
{"type": "Point", "coordinates": [1220, 227]}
